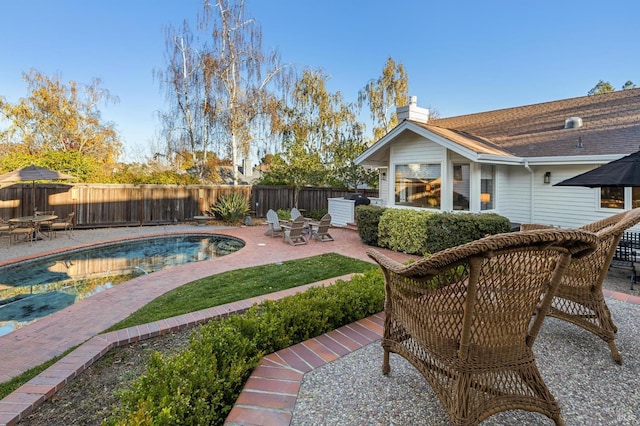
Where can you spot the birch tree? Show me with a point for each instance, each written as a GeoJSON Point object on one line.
{"type": "Point", "coordinates": [239, 73]}
{"type": "Point", "coordinates": [186, 126]}
{"type": "Point", "coordinates": [383, 95]}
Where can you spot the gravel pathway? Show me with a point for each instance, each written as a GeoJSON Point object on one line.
{"type": "Point", "coordinates": [576, 366]}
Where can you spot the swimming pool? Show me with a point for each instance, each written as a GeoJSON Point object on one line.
{"type": "Point", "coordinates": [36, 288]}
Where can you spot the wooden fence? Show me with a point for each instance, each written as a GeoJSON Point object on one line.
{"type": "Point", "coordinates": [98, 205]}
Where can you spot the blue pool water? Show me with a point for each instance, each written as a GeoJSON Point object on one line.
{"type": "Point", "coordinates": [33, 289]}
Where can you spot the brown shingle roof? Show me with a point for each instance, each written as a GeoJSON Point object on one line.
{"type": "Point", "coordinates": [611, 125]}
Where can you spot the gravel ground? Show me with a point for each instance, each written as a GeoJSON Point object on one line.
{"type": "Point", "coordinates": [576, 366]}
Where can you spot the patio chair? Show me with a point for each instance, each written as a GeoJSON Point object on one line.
{"type": "Point", "coordinates": [294, 233]}
{"type": "Point", "coordinates": [463, 318]}
{"type": "Point", "coordinates": [580, 299]}
{"type": "Point", "coordinates": [22, 229]}
{"type": "Point", "coordinates": [275, 229]}
{"type": "Point", "coordinates": [5, 227]}
{"type": "Point", "coordinates": [66, 225]}
{"type": "Point", "coordinates": [321, 233]}
{"type": "Point", "coordinates": [45, 226]}
{"type": "Point", "coordinates": [295, 213]}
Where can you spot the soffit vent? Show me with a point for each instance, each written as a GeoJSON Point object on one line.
{"type": "Point", "coordinates": [573, 123]}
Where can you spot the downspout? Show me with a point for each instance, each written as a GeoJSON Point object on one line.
{"type": "Point", "coordinates": [531, 182]}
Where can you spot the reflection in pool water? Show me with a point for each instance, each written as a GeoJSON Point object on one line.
{"type": "Point", "coordinates": [33, 289]}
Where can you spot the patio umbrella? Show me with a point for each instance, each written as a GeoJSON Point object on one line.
{"type": "Point", "coordinates": [33, 173]}
{"type": "Point", "coordinates": [622, 172]}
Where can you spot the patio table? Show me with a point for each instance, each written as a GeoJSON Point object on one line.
{"type": "Point", "coordinates": [37, 220]}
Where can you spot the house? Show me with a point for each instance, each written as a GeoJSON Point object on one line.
{"type": "Point", "coordinates": [507, 161]}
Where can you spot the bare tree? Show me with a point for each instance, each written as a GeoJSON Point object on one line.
{"type": "Point", "coordinates": [239, 73]}
{"type": "Point", "coordinates": [186, 126]}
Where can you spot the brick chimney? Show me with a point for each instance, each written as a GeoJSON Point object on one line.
{"type": "Point", "coordinates": [413, 112]}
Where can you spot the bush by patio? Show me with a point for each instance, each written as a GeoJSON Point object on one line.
{"type": "Point", "coordinates": [367, 219]}
{"type": "Point", "coordinates": [420, 232]}
{"type": "Point", "coordinates": [201, 384]}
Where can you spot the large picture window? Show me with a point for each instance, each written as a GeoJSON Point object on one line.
{"type": "Point", "coordinates": [418, 185]}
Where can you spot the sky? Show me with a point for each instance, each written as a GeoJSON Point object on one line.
{"type": "Point", "coordinates": [461, 57]}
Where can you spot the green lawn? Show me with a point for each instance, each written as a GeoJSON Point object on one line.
{"type": "Point", "coordinates": [224, 288]}
{"type": "Point", "coordinates": [242, 284]}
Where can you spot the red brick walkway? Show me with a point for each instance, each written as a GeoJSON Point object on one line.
{"type": "Point", "coordinates": [81, 323]}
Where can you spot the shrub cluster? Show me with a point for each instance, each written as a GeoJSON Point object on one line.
{"type": "Point", "coordinates": [423, 232]}
{"type": "Point", "coordinates": [367, 219]}
{"type": "Point", "coordinates": [231, 208]}
{"type": "Point", "coordinates": [201, 384]}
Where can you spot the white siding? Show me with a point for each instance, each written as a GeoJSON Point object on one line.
{"type": "Point", "coordinates": [521, 194]}
{"type": "Point", "coordinates": [383, 185]}
{"type": "Point", "coordinates": [513, 193]}
{"type": "Point", "coordinates": [342, 211]}
{"type": "Point", "coordinates": [565, 206]}
{"type": "Point", "coordinates": [411, 148]}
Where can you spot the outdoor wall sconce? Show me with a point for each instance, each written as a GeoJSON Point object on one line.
{"type": "Point", "coordinates": [547, 177]}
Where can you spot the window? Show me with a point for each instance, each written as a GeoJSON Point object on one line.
{"type": "Point", "coordinates": [418, 185]}
{"type": "Point", "coordinates": [461, 186]}
{"type": "Point", "coordinates": [612, 197]}
{"type": "Point", "coordinates": [487, 187]}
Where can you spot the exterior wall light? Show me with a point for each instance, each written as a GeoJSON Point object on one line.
{"type": "Point", "coordinates": [547, 177]}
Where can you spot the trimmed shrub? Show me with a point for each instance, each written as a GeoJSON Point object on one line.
{"type": "Point", "coordinates": [367, 219]}
{"type": "Point", "coordinates": [404, 230]}
{"type": "Point", "coordinates": [446, 230]}
{"type": "Point", "coordinates": [423, 232]}
{"type": "Point", "coordinates": [201, 384]}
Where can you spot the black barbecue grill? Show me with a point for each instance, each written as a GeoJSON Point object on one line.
{"type": "Point", "coordinates": [359, 199]}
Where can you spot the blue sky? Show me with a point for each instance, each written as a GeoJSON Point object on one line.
{"type": "Point", "coordinates": [461, 56]}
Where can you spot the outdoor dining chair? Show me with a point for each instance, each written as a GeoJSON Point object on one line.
{"type": "Point", "coordinates": [463, 318]}
{"type": "Point", "coordinates": [66, 225]}
{"type": "Point", "coordinates": [26, 230]}
{"type": "Point", "coordinates": [45, 226]}
{"type": "Point", "coordinates": [580, 299]}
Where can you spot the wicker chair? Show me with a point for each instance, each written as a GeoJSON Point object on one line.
{"type": "Point", "coordinates": [579, 299]}
{"type": "Point", "coordinates": [463, 318]}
